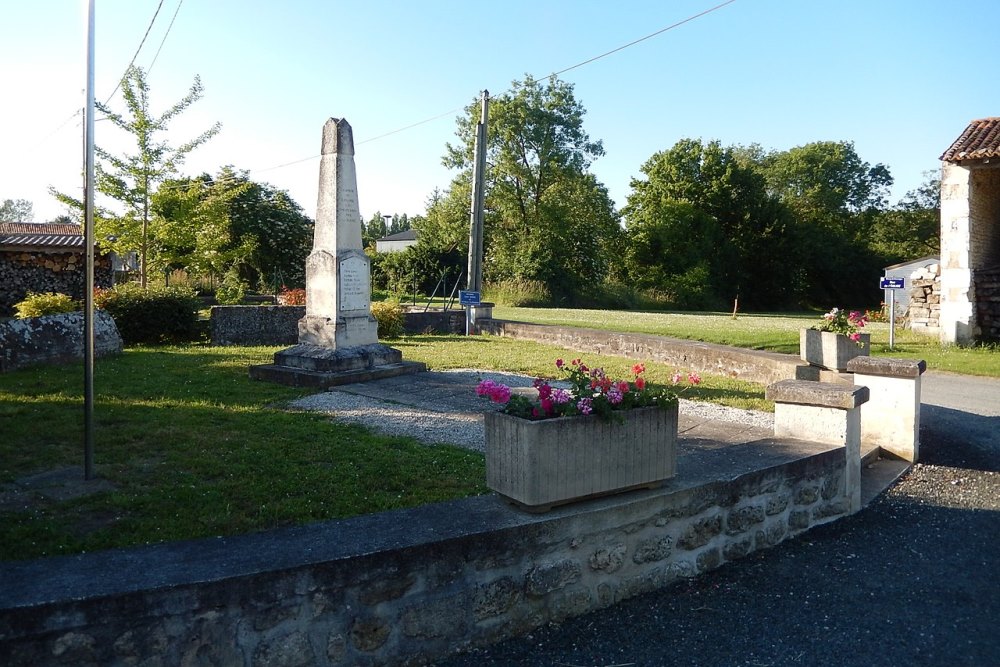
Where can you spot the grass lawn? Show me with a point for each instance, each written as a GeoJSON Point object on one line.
{"type": "Point", "coordinates": [764, 331]}
{"type": "Point", "coordinates": [193, 448]}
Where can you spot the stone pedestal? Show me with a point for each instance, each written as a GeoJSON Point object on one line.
{"type": "Point", "coordinates": [891, 417]}
{"type": "Point", "coordinates": [823, 412]}
{"type": "Point", "coordinates": [338, 337]}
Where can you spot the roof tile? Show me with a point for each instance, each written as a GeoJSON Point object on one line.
{"type": "Point", "coordinates": [980, 140]}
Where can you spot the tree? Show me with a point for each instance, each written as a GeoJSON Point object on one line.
{"type": "Point", "coordinates": [912, 228]}
{"type": "Point", "coordinates": [703, 212]}
{"type": "Point", "coordinates": [132, 178]}
{"type": "Point", "coordinates": [546, 218]}
{"type": "Point", "coordinates": [16, 210]}
{"type": "Point", "coordinates": [231, 224]}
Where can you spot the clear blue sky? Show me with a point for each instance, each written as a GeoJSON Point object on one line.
{"type": "Point", "coordinates": [900, 78]}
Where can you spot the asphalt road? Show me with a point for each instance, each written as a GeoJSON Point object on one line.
{"type": "Point", "coordinates": [911, 580]}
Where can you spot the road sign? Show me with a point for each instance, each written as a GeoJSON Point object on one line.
{"type": "Point", "coordinates": [891, 283]}
{"type": "Point", "coordinates": [468, 298]}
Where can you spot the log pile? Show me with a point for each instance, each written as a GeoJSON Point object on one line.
{"type": "Point", "coordinates": [23, 271]}
{"type": "Point", "coordinates": [987, 284]}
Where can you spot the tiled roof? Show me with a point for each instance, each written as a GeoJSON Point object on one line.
{"type": "Point", "coordinates": [68, 241]}
{"type": "Point", "coordinates": [39, 228]}
{"type": "Point", "coordinates": [979, 141]}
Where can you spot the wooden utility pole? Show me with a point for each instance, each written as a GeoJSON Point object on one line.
{"type": "Point", "coordinates": [475, 281]}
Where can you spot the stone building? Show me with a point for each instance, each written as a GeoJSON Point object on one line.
{"type": "Point", "coordinates": [44, 257]}
{"type": "Point", "coordinates": [970, 235]}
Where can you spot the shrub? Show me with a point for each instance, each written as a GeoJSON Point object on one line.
{"type": "Point", "coordinates": [292, 297]}
{"type": "Point", "coordinates": [155, 315]}
{"type": "Point", "coordinates": [518, 292]}
{"type": "Point", "coordinates": [46, 303]}
{"type": "Point", "coordinates": [390, 318]}
{"type": "Point", "coordinates": [232, 290]}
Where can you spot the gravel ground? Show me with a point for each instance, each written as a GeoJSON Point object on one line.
{"type": "Point", "coordinates": [910, 580]}
{"type": "Point", "coordinates": [460, 420]}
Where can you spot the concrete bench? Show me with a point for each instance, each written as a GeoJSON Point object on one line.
{"type": "Point", "coordinates": [823, 412]}
{"type": "Point", "coordinates": [891, 417]}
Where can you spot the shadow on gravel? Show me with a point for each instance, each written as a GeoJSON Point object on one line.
{"type": "Point", "coordinates": [959, 439]}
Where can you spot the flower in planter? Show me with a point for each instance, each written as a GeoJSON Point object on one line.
{"type": "Point", "coordinates": [591, 391]}
{"type": "Point", "coordinates": [844, 322]}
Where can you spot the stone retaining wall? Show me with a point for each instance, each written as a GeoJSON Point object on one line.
{"type": "Point", "coordinates": [988, 303]}
{"type": "Point", "coordinates": [750, 365]}
{"type": "Point", "coordinates": [402, 587]}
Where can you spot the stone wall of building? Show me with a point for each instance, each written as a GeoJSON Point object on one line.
{"type": "Point", "coordinates": [35, 271]}
{"type": "Point", "coordinates": [402, 587]}
{"type": "Point", "coordinates": [924, 312]}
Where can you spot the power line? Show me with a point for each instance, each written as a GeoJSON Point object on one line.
{"type": "Point", "coordinates": [136, 55]}
{"type": "Point", "coordinates": [643, 39]}
{"type": "Point", "coordinates": [150, 68]}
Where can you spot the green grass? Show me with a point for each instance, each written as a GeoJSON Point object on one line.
{"type": "Point", "coordinates": [764, 331]}
{"type": "Point", "coordinates": [194, 448]}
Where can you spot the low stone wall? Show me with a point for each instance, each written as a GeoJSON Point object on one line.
{"type": "Point", "coordinates": [750, 365]}
{"type": "Point", "coordinates": [54, 339]}
{"type": "Point", "coordinates": [256, 325]}
{"type": "Point", "coordinates": [278, 325]}
{"type": "Point", "coordinates": [408, 586]}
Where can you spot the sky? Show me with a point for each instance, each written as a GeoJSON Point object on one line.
{"type": "Point", "coordinates": [899, 78]}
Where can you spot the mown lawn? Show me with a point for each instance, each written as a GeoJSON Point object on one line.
{"type": "Point", "coordinates": [194, 448]}
{"type": "Point", "coordinates": [777, 332]}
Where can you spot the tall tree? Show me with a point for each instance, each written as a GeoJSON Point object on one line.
{"type": "Point", "coordinates": [543, 208]}
{"type": "Point", "coordinates": [703, 213]}
{"type": "Point", "coordinates": [16, 210]}
{"type": "Point", "coordinates": [212, 226]}
{"type": "Point", "coordinates": [912, 228]}
{"type": "Point", "coordinates": [132, 177]}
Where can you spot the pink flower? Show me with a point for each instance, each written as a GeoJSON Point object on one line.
{"type": "Point", "coordinates": [675, 378]}
{"type": "Point", "coordinates": [614, 396]}
{"type": "Point", "coordinates": [694, 378]}
{"type": "Point", "coordinates": [584, 406]}
{"type": "Point", "coordinates": [559, 363]}
{"type": "Point", "coordinates": [639, 369]}
{"type": "Point", "coordinates": [561, 396]}
{"type": "Point", "coordinates": [855, 336]}
{"type": "Point", "coordinates": [640, 383]}
{"type": "Point", "coordinates": [623, 387]}
{"type": "Point", "coordinates": [546, 404]}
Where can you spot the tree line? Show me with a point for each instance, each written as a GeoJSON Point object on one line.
{"type": "Point", "coordinates": [703, 225]}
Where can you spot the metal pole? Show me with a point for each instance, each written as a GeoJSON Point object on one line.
{"type": "Point", "coordinates": [892, 318]}
{"type": "Point", "coordinates": [475, 282]}
{"type": "Point", "coordinates": [88, 241]}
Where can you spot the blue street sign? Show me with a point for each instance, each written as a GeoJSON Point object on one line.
{"type": "Point", "coordinates": [468, 298]}
{"type": "Point", "coordinates": [891, 283]}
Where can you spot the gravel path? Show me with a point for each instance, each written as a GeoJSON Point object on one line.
{"type": "Point", "coordinates": [910, 580]}
{"type": "Point", "coordinates": [455, 416]}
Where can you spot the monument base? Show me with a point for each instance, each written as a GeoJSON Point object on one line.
{"type": "Point", "coordinates": [307, 365]}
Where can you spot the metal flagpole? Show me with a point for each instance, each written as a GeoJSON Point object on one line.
{"type": "Point", "coordinates": [88, 240]}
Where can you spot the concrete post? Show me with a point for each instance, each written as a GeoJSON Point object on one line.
{"type": "Point", "coordinates": [891, 417]}
{"type": "Point", "coordinates": [827, 413]}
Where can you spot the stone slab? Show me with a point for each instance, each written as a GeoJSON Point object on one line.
{"type": "Point", "coordinates": [887, 366]}
{"type": "Point", "coordinates": [55, 339]}
{"type": "Point", "coordinates": [301, 377]}
{"type": "Point", "coordinates": [820, 394]}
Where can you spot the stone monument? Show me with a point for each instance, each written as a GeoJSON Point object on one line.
{"type": "Point", "coordinates": [338, 337]}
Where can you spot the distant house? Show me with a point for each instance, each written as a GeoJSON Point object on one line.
{"type": "Point", "coordinates": [45, 257]}
{"type": "Point", "coordinates": [397, 242]}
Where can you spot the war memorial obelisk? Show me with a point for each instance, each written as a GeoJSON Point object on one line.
{"type": "Point", "coordinates": [338, 337]}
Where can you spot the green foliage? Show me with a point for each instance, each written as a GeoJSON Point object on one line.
{"type": "Point", "coordinates": [419, 266]}
{"type": "Point", "coordinates": [46, 303]}
{"type": "Point", "coordinates": [152, 316]}
{"type": "Point", "coordinates": [518, 292]}
{"type": "Point", "coordinates": [232, 290]}
{"type": "Point", "coordinates": [911, 229]}
{"type": "Point", "coordinates": [209, 226]}
{"type": "Point", "coordinates": [547, 218]}
{"type": "Point", "coordinates": [131, 178]}
{"type": "Point", "coordinates": [390, 318]}
{"type": "Point", "coordinates": [16, 210]}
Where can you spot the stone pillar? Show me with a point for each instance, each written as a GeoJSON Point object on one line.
{"type": "Point", "coordinates": [891, 417]}
{"type": "Point", "coordinates": [827, 413]}
{"type": "Point", "coordinates": [958, 314]}
{"type": "Point", "coordinates": [338, 274]}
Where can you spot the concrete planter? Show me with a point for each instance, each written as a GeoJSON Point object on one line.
{"type": "Point", "coordinates": [539, 464]}
{"type": "Point", "coordinates": [831, 350]}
